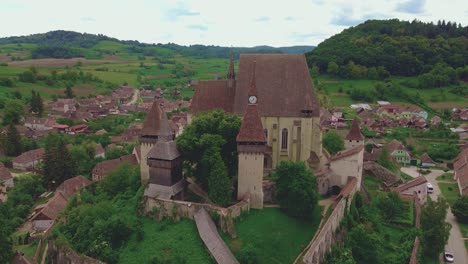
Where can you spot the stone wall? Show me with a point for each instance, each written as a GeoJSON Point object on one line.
{"type": "Point", "coordinates": [61, 254]}
{"type": "Point", "coordinates": [325, 237]}
{"type": "Point", "coordinates": [269, 192]}
{"type": "Point", "coordinates": [417, 224]}
{"type": "Point", "coordinates": [160, 208]}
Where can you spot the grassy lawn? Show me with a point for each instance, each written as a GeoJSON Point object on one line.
{"type": "Point", "coordinates": [28, 250]}
{"type": "Point", "coordinates": [445, 177]}
{"type": "Point", "coordinates": [275, 237]}
{"type": "Point", "coordinates": [166, 239]}
{"type": "Point", "coordinates": [450, 191]}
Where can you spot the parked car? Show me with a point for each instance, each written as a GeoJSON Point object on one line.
{"type": "Point", "coordinates": [430, 188]}
{"type": "Point", "coordinates": [448, 257]}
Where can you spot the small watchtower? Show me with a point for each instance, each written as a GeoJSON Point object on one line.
{"type": "Point", "coordinates": [354, 137]}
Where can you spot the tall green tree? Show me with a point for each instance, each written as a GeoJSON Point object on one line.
{"type": "Point", "coordinates": [296, 189]}
{"type": "Point", "coordinates": [13, 112]}
{"type": "Point", "coordinates": [333, 68]}
{"type": "Point", "coordinates": [36, 105]}
{"type": "Point", "coordinates": [333, 142]}
{"type": "Point", "coordinates": [460, 209]}
{"type": "Point", "coordinates": [69, 92]}
{"type": "Point", "coordinates": [58, 164]}
{"type": "Point", "coordinates": [435, 231]}
{"type": "Point", "coordinates": [390, 205]}
{"type": "Point", "coordinates": [365, 244]}
{"type": "Point", "coordinates": [193, 142]}
{"type": "Point", "coordinates": [219, 184]}
{"type": "Point", "coordinates": [12, 142]}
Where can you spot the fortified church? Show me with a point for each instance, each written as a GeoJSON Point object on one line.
{"type": "Point", "coordinates": [280, 113]}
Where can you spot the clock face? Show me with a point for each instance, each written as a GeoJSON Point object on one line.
{"type": "Point", "coordinates": [252, 99]}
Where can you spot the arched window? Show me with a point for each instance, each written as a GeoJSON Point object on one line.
{"type": "Point", "coordinates": [266, 134]}
{"type": "Point", "coordinates": [284, 138]}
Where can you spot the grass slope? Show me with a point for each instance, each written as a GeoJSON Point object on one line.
{"type": "Point", "coordinates": [275, 237]}
{"type": "Point", "coordinates": [166, 239]}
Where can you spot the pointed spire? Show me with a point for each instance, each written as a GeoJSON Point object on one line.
{"type": "Point", "coordinates": [231, 75]}
{"type": "Point", "coordinates": [253, 83]}
{"type": "Point", "coordinates": [156, 123]}
{"type": "Point", "coordinates": [165, 131]}
{"type": "Point", "coordinates": [355, 131]}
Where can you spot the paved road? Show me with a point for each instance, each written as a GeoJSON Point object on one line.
{"type": "Point", "coordinates": [455, 243]}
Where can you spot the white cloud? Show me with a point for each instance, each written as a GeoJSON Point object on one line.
{"type": "Point", "coordinates": [245, 23]}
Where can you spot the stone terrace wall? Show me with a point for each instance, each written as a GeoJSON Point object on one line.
{"type": "Point", "coordinates": [417, 224]}
{"type": "Point", "coordinates": [325, 237]}
{"type": "Point", "coordinates": [161, 208]}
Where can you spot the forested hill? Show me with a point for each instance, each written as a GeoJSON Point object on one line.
{"type": "Point", "coordinates": [403, 48]}
{"type": "Point", "coordinates": [66, 44]}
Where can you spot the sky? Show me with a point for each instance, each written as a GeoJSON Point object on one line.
{"type": "Point", "coordinates": [217, 22]}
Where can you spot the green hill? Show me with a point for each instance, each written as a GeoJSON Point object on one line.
{"type": "Point", "coordinates": [402, 48]}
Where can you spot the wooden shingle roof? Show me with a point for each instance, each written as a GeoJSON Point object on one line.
{"type": "Point", "coordinates": [355, 132]}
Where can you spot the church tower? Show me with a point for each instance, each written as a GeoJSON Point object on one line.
{"type": "Point", "coordinates": [251, 144]}
{"type": "Point", "coordinates": [354, 137]}
{"type": "Point", "coordinates": [165, 165]}
{"type": "Point", "coordinates": [148, 138]}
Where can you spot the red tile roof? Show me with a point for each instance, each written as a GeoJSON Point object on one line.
{"type": "Point", "coordinates": [72, 185]}
{"type": "Point", "coordinates": [5, 174]}
{"type": "Point", "coordinates": [412, 183]}
{"type": "Point", "coordinates": [425, 158]}
{"type": "Point", "coordinates": [347, 153]}
{"type": "Point", "coordinates": [54, 206]}
{"type": "Point", "coordinates": [30, 156]}
{"type": "Point", "coordinates": [355, 131]}
{"type": "Point", "coordinates": [105, 167]}
{"type": "Point", "coordinates": [251, 128]}
{"type": "Point", "coordinates": [213, 94]}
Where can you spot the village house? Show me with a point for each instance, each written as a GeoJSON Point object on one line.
{"type": "Point", "coordinates": [398, 151]}
{"type": "Point", "coordinates": [417, 185]}
{"type": "Point", "coordinates": [5, 176]}
{"type": "Point", "coordinates": [426, 160]}
{"type": "Point", "coordinates": [132, 132]}
{"type": "Point", "coordinates": [460, 114]}
{"type": "Point", "coordinates": [435, 121]}
{"type": "Point", "coordinates": [460, 169]}
{"type": "Point", "coordinates": [29, 159]}
{"type": "Point", "coordinates": [72, 185]}
{"type": "Point", "coordinates": [103, 168]}
{"type": "Point", "coordinates": [76, 129]}
{"type": "Point", "coordinates": [39, 124]}
{"type": "Point", "coordinates": [61, 128]}
{"type": "Point", "coordinates": [123, 94]}
{"type": "Point", "coordinates": [64, 105]}
{"type": "Point", "coordinates": [388, 110]}
{"type": "Point", "coordinates": [44, 215]}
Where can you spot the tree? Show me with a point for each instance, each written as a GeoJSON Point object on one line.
{"type": "Point", "coordinates": [435, 231]}
{"type": "Point", "coordinates": [385, 160]}
{"type": "Point", "coordinates": [460, 209]}
{"type": "Point", "coordinates": [339, 255]}
{"type": "Point", "coordinates": [58, 164]}
{"type": "Point", "coordinates": [333, 142]}
{"type": "Point", "coordinates": [12, 144]}
{"type": "Point", "coordinates": [390, 205]}
{"type": "Point", "coordinates": [196, 140]}
{"type": "Point", "coordinates": [69, 92]}
{"type": "Point", "coordinates": [13, 112]}
{"type": "Point", "coordinates": [365, 244]}
{"type": "Point", "coordinates": [333, 68]}
{"type": "Point", "coordinates": [36, 103]}
{"type": "Point", "coordinates": [296, 189]}
{"type": "Point", "coordinates": [219, 185]}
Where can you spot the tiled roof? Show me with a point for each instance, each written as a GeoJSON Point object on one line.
{"type": "Point", "coordinates": [5, 174]}
{"type": "Point", "coordinates": [425, 158]}
{"type": "Point", "coordinates": [54, 206]}
{"type": "Point", "coordinates": [72, 185]}
{"type": "Point", "coordinates": [156, 122]}
{"type": "Point", "coordinates": [213, 94]}
{"type": "Point", "coordinates": [107, 166]}
{"type": "Point", "coordinates": [251, 129]}
{"type": "Point", "coordinates": [30, 156]}
{"type": "Point", "coordinates": [462, 179]}
{"type": "Point", "coordinates": [355, 131]}
{"type": "Point", "coordinates": [283, 84]}
{"type": "Point", "coordinates": [164, 150]}
{"type": "Point", "coordinates": [412, 183]}
{"type": "Point", "coordinates": [347, 153]}
{"type": "Point", "coordinates": [395, 145]}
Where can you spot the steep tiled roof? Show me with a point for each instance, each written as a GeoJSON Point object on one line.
{"type": "Point", "coordinates": [395, 145]}
{"type": "Point", "coordinates": [462, 174]}
{"type": "Point", "coordinates": [347, 153]}
{"type": "Point", "coordinates": [107, 166]}
{"type": "Point", "coordinates": [54, 206]}
{"type": "Point", "coordinates": [425, 158]}
{"type": "Point", "coordinates": [164, 150]}
{"type": "Point", "coordinates": [72, 185]}
{"type": "Point", "coordinates": [152, 123]}
{"type": "Point", "coordinates": [5, 174]}
{"type": "Point", "coordinates": [412, 183]}
{"type": "Point", "coordinates": [251, 128]}
{"type": "Point", "coordinates": [355, 131]}
{"type": "Point", "coordinates": [213, 94]}
{"type": "Point", "coordinates": [30, 156]}
{"type": "Point", "coordinates": [283, 83]}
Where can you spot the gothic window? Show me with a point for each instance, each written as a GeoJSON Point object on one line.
{"type": "Point", "coordinates": [284, 138]}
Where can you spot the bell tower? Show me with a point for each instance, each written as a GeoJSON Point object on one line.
{"type": "Point", "coordinates": [149, 137]}
{"type": "Point", "coordinates": [251, 144]}
{"type": "Point", "coordinates": [354, 137]}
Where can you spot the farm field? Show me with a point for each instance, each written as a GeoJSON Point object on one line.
{"type": "Point", "coordinates": [337, 91]}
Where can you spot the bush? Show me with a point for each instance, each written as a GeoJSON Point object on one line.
{"type": "Point", "coordinates": [333, 142]}
{"type": "Point", "coordinates": [460, 209]}
{"type": "Point", "coordinates": [296, 189]}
